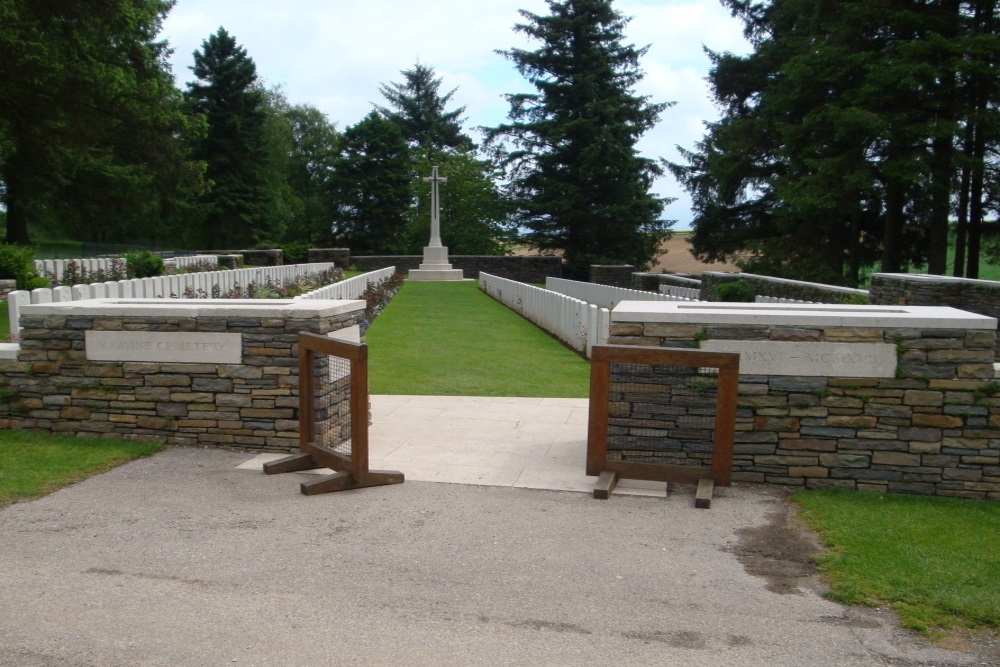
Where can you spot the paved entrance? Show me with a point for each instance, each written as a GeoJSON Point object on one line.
{"type": "Point", "coordinates": [186, 559]}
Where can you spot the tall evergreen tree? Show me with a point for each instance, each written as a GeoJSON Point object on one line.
{"type": "Point", "coordinates": [577, 178]}
{"type": "Point", "coordinates": [229, 96]}
{"type": "Point", "coordinates": [838, 143]}
{"type": "Point", "coordinates": [93, 135]}
{"type": "Point", "coordinates": [371, 188]}
{"type": "Point", "coordinates": [419, 110]}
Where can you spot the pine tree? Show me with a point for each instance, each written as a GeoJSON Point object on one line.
{"type": "Point", "coordinates": [371, 188]}
{"type": "Point", "coordinates": [419, 111]}
{"type": "Point", "coordinates": [228, 94]}
{"type": "Point", "coordinates": [579, 184]}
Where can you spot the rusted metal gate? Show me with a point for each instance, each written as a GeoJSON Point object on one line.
{"type": "Point", "coordinates": [333, 417]}
{"type": "Point", "coordinates": [663, 415]}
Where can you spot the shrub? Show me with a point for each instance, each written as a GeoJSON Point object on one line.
{"type": "Point", "coordinates": [143, 264]}
{"type": "Point", "coordinates": [295, 253]}
{"type": "Point", "coordinates": [738, 291]}
{"type": "Point", "coordinates": [16, 264]}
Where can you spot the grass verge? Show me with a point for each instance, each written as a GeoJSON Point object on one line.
{"type": "Point", "coordinates": [933, 559]}
{"type": "Point", "coordinates": [450, 339]}
{"type": "Point", "coordinates": [34, 464]}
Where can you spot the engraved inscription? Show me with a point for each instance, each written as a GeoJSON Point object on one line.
{"type": "Point", "coordinates": [810, 359]}
{"type": "Point", "coordinates": [190, 347]}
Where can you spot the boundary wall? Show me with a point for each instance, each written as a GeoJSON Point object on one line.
{"type": "Point", "coordinates": [813, 411]}
{"type": "Point", "coordinates": [576, 323]}
{"type": "Point", "coordinates": [184, 372]}
{"type": "Point", "coordinates": [526, 269]}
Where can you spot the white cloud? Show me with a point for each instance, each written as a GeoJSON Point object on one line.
{"type": "Point", "coordinates": [333, 54]}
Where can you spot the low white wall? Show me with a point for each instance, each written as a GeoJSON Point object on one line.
{"type": "Point", "coordinates": [578, 324]}
{"type": "Point", "coordinates": [603, 296]}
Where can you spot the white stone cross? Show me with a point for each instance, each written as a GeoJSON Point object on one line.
{"type": "Point", "coordinates": [434, 179]}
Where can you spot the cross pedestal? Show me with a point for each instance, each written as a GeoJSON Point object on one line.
{"type": "Point", "coordinates": [435, 265]}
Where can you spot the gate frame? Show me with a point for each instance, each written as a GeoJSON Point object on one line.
{"type": "Point", "coordinates": [353, 472]}
{"type": "Point", "coordinates": [609, 472]}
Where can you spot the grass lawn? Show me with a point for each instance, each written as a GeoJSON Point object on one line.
{"type": "Point", "coordinates": [935, 560]}
{"type": "Point", "coordinates": [4, 320]}
{"type": "Point", "coordinates": [450, 339]}
{"type": "Point", "coordinates": [34, 464]}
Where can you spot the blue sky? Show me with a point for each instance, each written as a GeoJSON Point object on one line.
{"type": "Point", "coordinates": [333, 54]}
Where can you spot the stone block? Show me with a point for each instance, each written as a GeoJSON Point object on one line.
{"type": "Point", "coordinates": [965, 443]}
{"type": "Point", "coordinates": [935, 420]}
{"type": "Point", "coordinates": [794, 334]}
{"type": "Point", "coordinates": [826, 432]}
{"type": "Point", "coordinates": [895, 459]}
{"type": "Point", "coordinates": [668, 331]}
{"type": "Point", "coordinates": [920, 434]}
{"type": "Point", "coordinates": [808, 471]}
{"type": "Point", "coordinates": [984, 356]}
{"type": "Point", "coordinates": [917, 397]}
{"type": "Point", "coordinates": [851, 421]}
{"type": "Point", "coordinates": [963, 474]}
{"type": "Point", "coordinates": [849, 335]}
{"type": "Point", "coordinates": [844, 460]}
{"type": "Point", "coordinates": [925, 447]}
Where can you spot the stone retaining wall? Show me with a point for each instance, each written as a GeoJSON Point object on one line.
{"type": "Point", "coordinates": [783, 288]}
{"type": "Point", "coordinates": [53, 386]}
{"type": "Point", "coordinates": [933, 429]}
{"type": "Point", "coordinates": [531, 270]}
{"type": "Point", "coordinates": [650, 282]}
{"type": "Point", "coordinates": [976, 296]}
{"type": "Point", "coordinates": [614, 275]}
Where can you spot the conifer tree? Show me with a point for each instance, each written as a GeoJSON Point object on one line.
{"type": "Point", "coordinates": [228, 94]}
{"type": "Point", "coordinates": [419, 110]}
{"type": "Point", "coordinates": [371, 188]}
{"type": "Point", "coordinates": [577, 179]}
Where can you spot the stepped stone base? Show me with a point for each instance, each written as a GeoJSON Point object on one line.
{"type": "Point", "coordinates": [436, 266]}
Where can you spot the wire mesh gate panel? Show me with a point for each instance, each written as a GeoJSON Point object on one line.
{"type": "Point", "coordinates": [663, 415]}
{"type": "Point", "coordinates": [333, 417]}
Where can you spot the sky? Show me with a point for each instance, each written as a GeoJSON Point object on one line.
{"type": "Point", "coordinates": [334, 54]}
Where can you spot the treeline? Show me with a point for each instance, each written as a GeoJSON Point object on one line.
{"type": "Point", "coordinates": [98, 144]}
{"type": "Point", "coordinates": [856, 133]}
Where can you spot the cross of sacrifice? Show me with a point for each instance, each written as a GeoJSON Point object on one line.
{"type": "Point", "coordinates": [434, 179]}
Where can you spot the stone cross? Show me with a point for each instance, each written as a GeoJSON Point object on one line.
{"type": "Point", "coordinates": [434, 179]}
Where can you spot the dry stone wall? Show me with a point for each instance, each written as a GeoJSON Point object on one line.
{"type": "Point", "coordinates": [932, 429]}
{"type": "Point", "coordinates": [253, 403]}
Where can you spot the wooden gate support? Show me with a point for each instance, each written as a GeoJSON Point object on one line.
{"type": "Point", "coordinates": [351, 469]}
{"type": "Point", "coordinates": [608, 472]}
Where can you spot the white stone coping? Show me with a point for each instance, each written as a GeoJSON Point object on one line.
{"type": "Point", "coordinates": [281, 308]}
{"type": "Point", "coordinates": [825, 315]}
{"type": "Point", "coordinates": [9, 350]}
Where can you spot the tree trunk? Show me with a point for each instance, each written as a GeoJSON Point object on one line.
{"type": "Point", "coordinates": [18, 201]}
{"type": "Point", "coordinates": [892, 236]}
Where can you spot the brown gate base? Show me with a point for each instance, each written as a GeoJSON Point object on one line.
{"type": "Point", "coordinates": [315, 379]}
{"type": "Point", "coordinates": [338, 481]}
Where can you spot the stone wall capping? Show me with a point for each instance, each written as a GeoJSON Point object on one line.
{"type": "Point", "coordinates": [191, 308]}
{"type": "Point", "coordinates": [769, 314]}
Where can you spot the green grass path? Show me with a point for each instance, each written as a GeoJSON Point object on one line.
{"type": "Point", "coordinates": [450, 339]}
